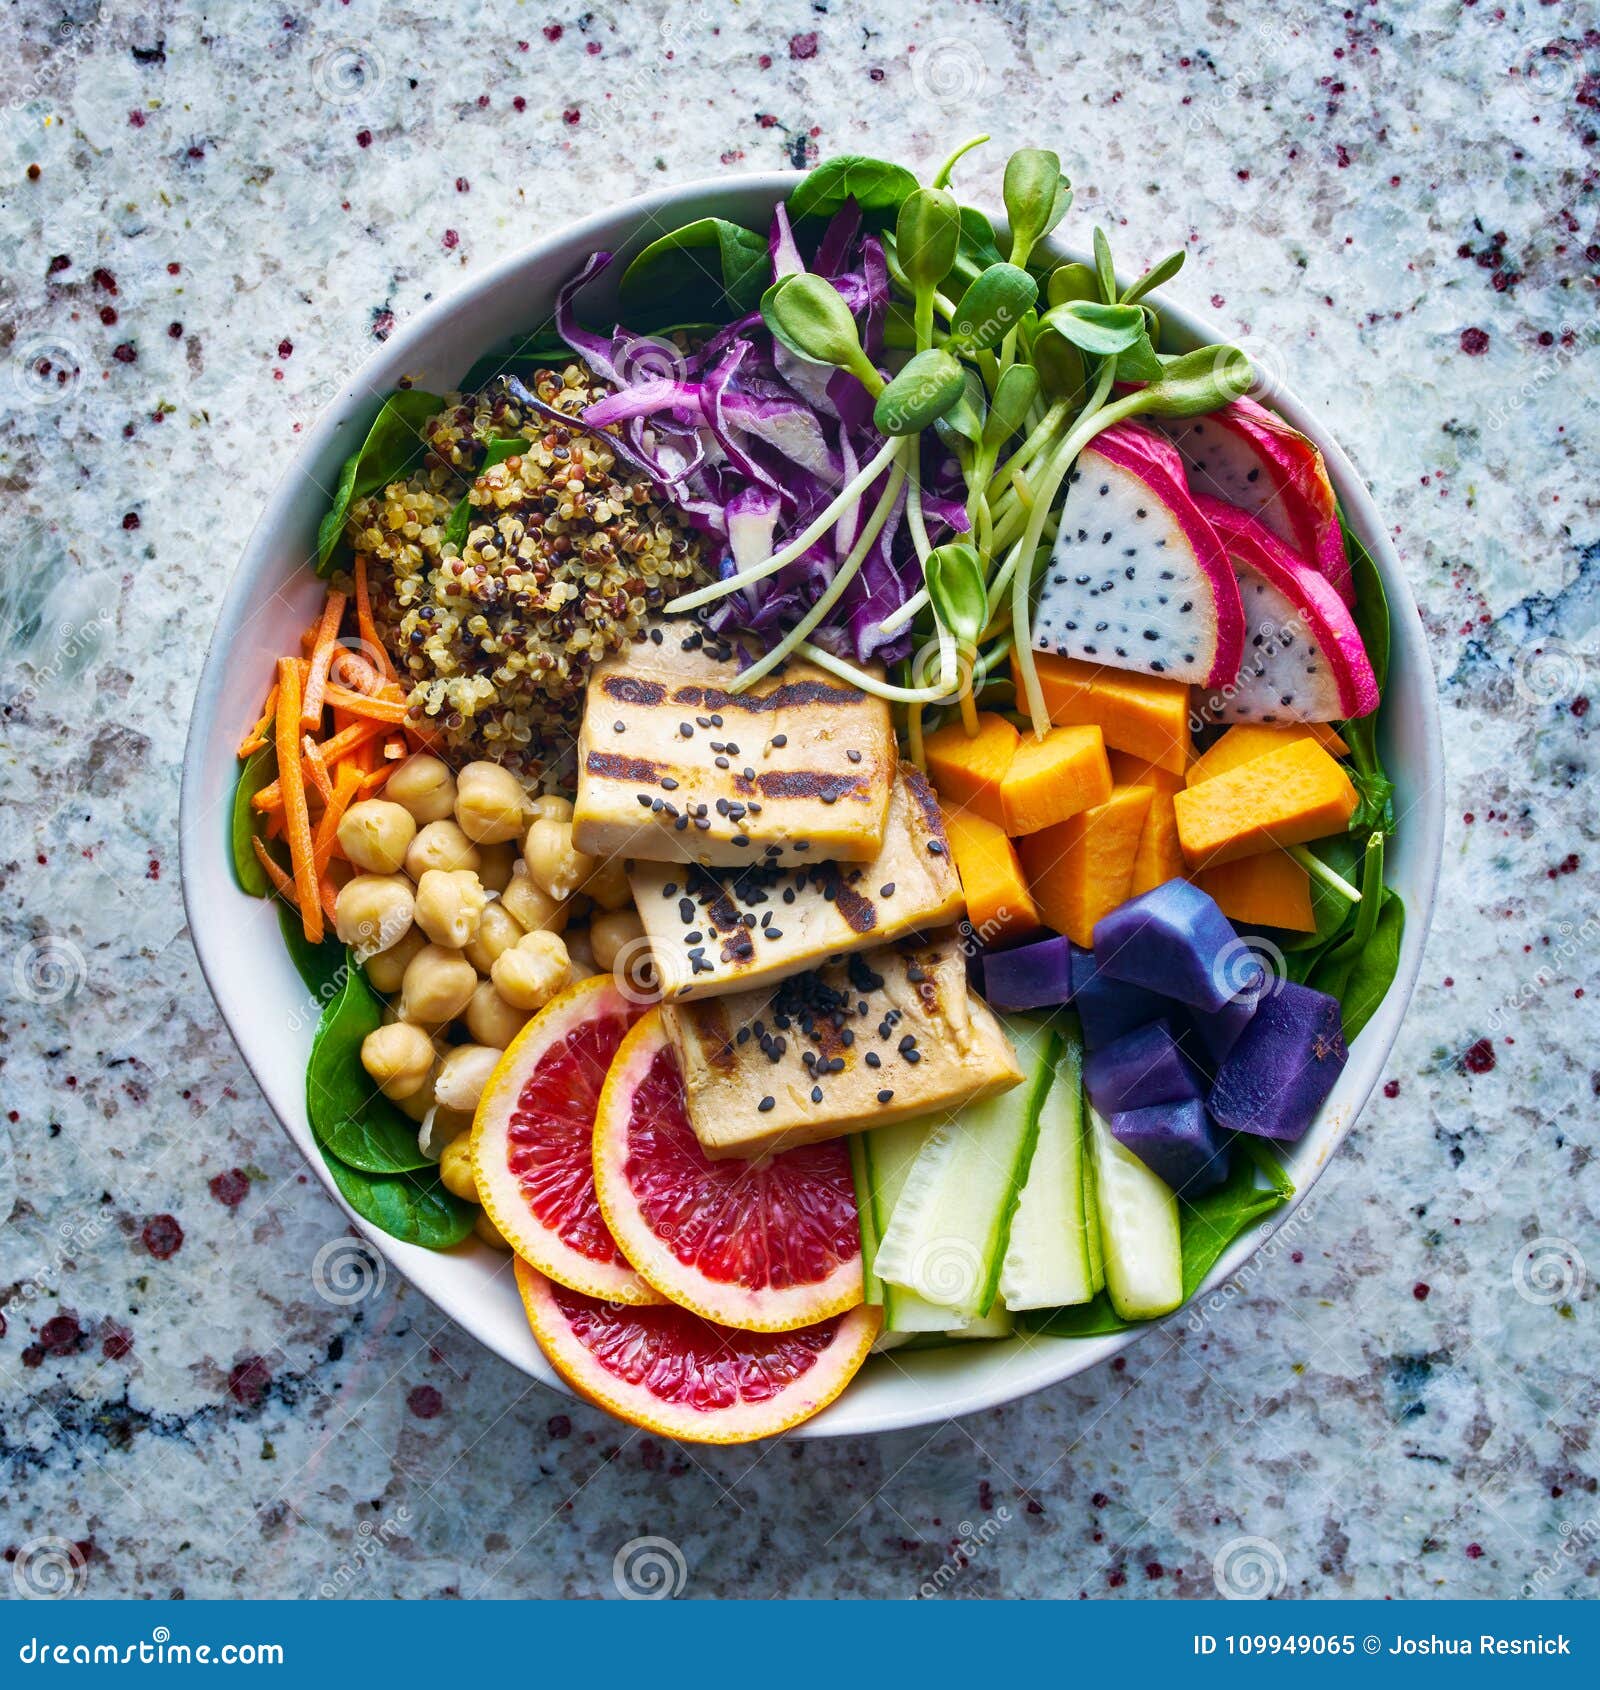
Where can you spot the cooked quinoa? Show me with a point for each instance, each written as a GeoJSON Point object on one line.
{"type": "Point", "coordinates": [566, 554]}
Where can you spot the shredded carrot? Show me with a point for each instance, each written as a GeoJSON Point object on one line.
{"type": "Point", "coordinates": [308, 638]}
{"type": "Point", "coordinates": [281, 883]}
{"type": "Point", "coordinates": [346, 784]}
{"type": "Point", "coordinates": [327, 642]}
{"type": "Point", "coordinates": [297, 818]}
{"type": "Point", "coordinates": [351, 669]}
{"type": "Point", "coordinates": [393, 710]}
{"type": "Point", "coordinates": [343, 743]}
{"type": "Point", "coordinates": [375, 781]}
{"type": "Point", "coordinates": [274, 823]}
{"type": "Point", "coordinates": [315, 767]}
{"type": "Point", "coordinates": [256, 739]}
{"type": "Point", "coordinates": [365, 626]}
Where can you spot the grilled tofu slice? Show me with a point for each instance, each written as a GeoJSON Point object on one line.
{"type": "Point", "coordinates": [715, 930]}
{"type": "Point", "coordinates": [874, 1039]}
{"type": "Point", "coordinates": [673, 767]}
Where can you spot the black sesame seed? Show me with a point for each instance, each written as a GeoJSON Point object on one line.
{"type": "Point", "coordinates": [686, 729]}
{"type": "Point", "coordinates": [886, 890]}
{"type": "Point", "coordinates": [619, 727]}
{"type": "Point", "coordinates": [885, 1095]}
{"type": "Point", "coordinates": [816, 1094]}
{"type": "Point", "coordinates": [722, 762]}
{"type": "Point", "coordinates": [767, 1103]}
{"type": "Point", "coordinates": [668, 784]}
{"type": "Point", "coordinates": [780, 740]}
{"type": "Point", "coordinates": [854, 756]}
{"type": "Point", "coordinates": [874, 1060]}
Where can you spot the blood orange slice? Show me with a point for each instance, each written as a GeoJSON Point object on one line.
{"type": "Point", "coordinates": [764, 1245]}
{"type": "Point", "coordinates": [675, 1374]}
{"type": "Point", "coordinates": [533, 1141]}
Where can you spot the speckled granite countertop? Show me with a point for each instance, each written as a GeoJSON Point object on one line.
{"type": "Point", "coordinates": [209, 217]}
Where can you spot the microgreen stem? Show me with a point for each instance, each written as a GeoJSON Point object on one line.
{"type": "Point", "coordinates": [843, 575]}
{"type": "Point", "coordinates": [859, 677]}
{"type": "Point", "coordinates": [1314, 865]}
{"type": "Point", "coordinates": [802, 542]}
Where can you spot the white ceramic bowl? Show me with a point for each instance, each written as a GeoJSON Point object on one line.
{"type": "Point", "coordinates": [273, 596]}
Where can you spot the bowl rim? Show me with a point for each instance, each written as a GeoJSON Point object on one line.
{"type": "Point", "coordinates": [199, 833]}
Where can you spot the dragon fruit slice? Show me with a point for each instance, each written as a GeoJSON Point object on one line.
{"type": "Point", "coordinates": [1137, 579]}
{"type": "Point", "coordinates": [1303, 658]}
{"type": "Point", "coordinates": [1248, 457]}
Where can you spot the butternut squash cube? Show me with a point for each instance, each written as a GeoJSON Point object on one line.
{"type": "Point", "coordinates": [999, 903]}
{"type": "Point", "coordinates": [1053, 778]}
{"type": "Point", "coordinates": [1249, 740]}
{"type": "Point", "coordinates": [1143, 714]}
{"type": "Point", "coordinates": [1269, 890]}
{"type": "Point", "coordinates": [1082, 868]}
{"type": "Point", "coordinates": [967, 771]}
{"type": "Point", "coordinates": [1291, 795]}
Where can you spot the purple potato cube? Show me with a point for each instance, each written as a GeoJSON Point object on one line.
{"type": "Point", "coordinates": [1283, 1065]}
{"type": "Point", "coordinates": [1036, 976]}
{"type": "Point", "coordinates": [1175, 940]}
{"type": "Point", "coordinates": [1219, 1029]}
{"type": "Point", "coordinates": [1176, 1142]}
{"type": "Point", "coordinates": [1109, 1008]}
{"type": "Point", "coordinates": [1143, 1067]}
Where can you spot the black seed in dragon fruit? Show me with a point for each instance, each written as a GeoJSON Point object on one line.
{"type": "Point", "coordinates": [1137, 579]}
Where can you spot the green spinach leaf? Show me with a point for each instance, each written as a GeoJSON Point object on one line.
{"type": "Point", "coordinates": [1332, 911]}
{"type": "Point", "coordinates": [393, 448]}
{"type": "Point", "coordinates": [1373, 787]}
{"type": "Point", "coordinates": [319, 966]}
{"type": "Point", "coordinates": [709, 263]}
{"type": "Point", "coordinates": [350, 1119]}
{"type": "Point", "coordinates": [1365, 978]}
{"type": "Point", "coordinates": [413, 1207]}
{"type": "Point", "coordinates": [260, 769]}
{"type": "Point", "coordinates": [873, 183]}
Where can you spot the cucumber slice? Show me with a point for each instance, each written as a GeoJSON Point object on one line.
{"type": "Point", "coordinates": [887, 1154]}
{"type": "Point", "coordinates": [1091, 1207]}
{"type": "Point", "coordinates": [947, 1235]}
{"type": "Point", "coordinates": [1138, 1228]}
{"type": "Point", "coordinates": [997, 1323]}
{"type": "Point", "coordinates": [1047, 1260]}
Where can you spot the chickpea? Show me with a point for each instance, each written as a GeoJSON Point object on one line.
{"type": "Point", "coordinates": [386, 970]}
{"type": "Point", "coordinates": [450, 905]}
{"type": "Point", "coordinates": [490, 803]}
{"type": "Point", "coordinates": [489, 1232]}
{"type": "Point", "coordinates": [376, 834]}
{"type": "Point", "coordinates": [534, 909]}
{"type": "Point", "coordinates": [580, 948]}
{"type": "Point", "coordinates": [532, 971]}
{"type": "Point", "coordinates": [553, 860]}
{"type": "Point", "coordinates": [399, 1058]}
{"type": "Point", "coordinates": [455, 1169]}
{"type": "Point", "coordinates": [420, 1104]}
{"type": "Point", "coordinates": [608, 885]}
{"type": "Point", "coordinates": [424, 786]}
{"type": "Point", "coordinates": [490, 1019]}
{"type": "Point", "coordinates": [436, 986]}
{"type": "Point", "coordinates": [463, 1074]}
{"type": "Point", "coordinates": [613, 933]}
{"type": "Point", "coordinates": [553, 805]}
{"type": "Point", "coordinates": [497, 932]}
{"type": "Point", "coordinates": [497, 863]}
{"type": "Point", "coordinates": [441, 845]}
{"type": "Point", "coordinates": [373, 912]}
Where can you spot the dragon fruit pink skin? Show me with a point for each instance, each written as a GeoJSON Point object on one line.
{"type": "Point", "coordinates": [1160, 599]}
{"type": "Point", "coordinates": [1338, 681]}
{"type": "Point", "coordinates": [1250, 457]}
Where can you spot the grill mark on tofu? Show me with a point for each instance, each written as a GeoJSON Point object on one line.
{"type": "Point", "coordinates": [810, 783]}
{"type": "Point", "coordinates": [923, 795]}
{"type": "Point", "coordinates": [716, 1037]}
{"type": "Point", "coordinates": [860, 913]}
{"type": "Point", "coordinates": [790, 695]}
{"type": "Point", "coordinates": [609, 765]}
{"type": "Point", "coordinates": [633, 689]}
